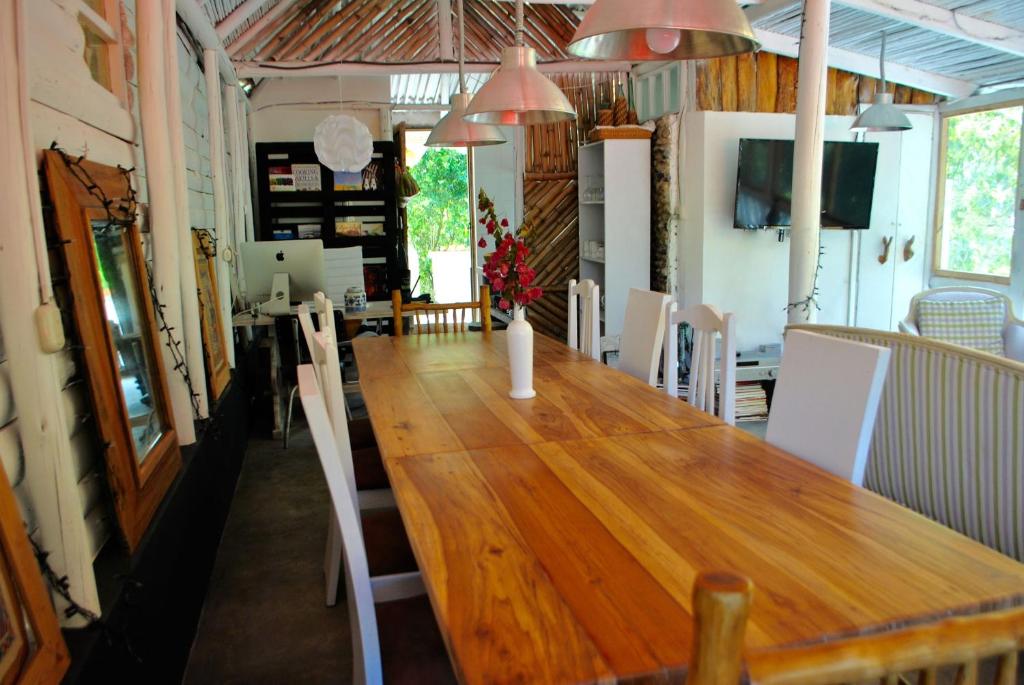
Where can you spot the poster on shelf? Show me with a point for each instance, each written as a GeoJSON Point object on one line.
{"type": "Point", "coordinates": [348, 228]}
{"type": "Point", "coordinates": [307, 176]}
{"type": "Point", "coordinates": [309, 231]}
{"type": "Point", "coordinates": [348, 180]}
{"type": "Point", "coordinates": [281, 179]}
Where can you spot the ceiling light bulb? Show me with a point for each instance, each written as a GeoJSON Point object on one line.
{"type": "Point", "coordinates": [663, 41]}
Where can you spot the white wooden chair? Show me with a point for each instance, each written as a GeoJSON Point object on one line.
{"type": "Point", "coordinates": [380, 609]}
{"type": "Point", "coordinates": [707, 324]}
{"type": "Point", "coordinates": [825, 401]}
{"type": "Point", "coordinates": [642, 333]}
{"type": "Point", "coordinates": [585, 329]}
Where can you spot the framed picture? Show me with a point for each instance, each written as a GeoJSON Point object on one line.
{"type": "Point", "coordinates": [218, 373]}
{"type": "Point", "coordinates": [32, 649]}
{"type": "Point", "coordinates": [115, 321]}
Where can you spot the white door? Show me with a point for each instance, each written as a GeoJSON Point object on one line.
{"type": "Point", "coordinates": [875, 276]}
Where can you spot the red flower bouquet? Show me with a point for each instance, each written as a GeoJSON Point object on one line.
{"type": "Point", "coordinates": [506, 269]}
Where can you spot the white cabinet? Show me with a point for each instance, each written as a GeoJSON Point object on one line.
{"type": "Point", "coordinates": [615, 222]}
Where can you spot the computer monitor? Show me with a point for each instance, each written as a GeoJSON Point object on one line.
{"type": "Point", "coordinates": [280, 272]}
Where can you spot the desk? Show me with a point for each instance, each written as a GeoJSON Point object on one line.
{"type": "Point", "coordinates": [353, 320]}
{"type": "Point", "coordinates": [559, 537]}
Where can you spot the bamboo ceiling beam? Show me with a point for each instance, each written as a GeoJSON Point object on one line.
{"type": "Point", "coordinates": [311, 69]}
{"type": "Point", "coordinates": [269, 49]}
{"type": "Point", "coordinates": [352, 40]}
{"type": "Point", "coordinates": [445, 44]}
{"type": "Point", "coordinates": [238, 16]}
{"type": "Point", "coordinates": [253, 37]}
{"type": "Point", "coordinates": [313, 38]}
{"type": "Point", "coordinates": [199, 24]}
{"type": "Point", "coordinates": [312, 22]}
{"type": "Point", "coordinates": [396, 41]}
{"type": "Point", "coordinates": [352, 15]}
{"type": "Point", "coordinates": [381, 30]}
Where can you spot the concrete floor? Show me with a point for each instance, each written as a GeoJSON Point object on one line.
{"type": "Point", "coordinates": [264, 620]}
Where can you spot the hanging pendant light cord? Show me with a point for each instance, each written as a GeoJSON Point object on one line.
{"type": "Point", "coordinates": [462, 49]}
{"type": "Point", "coordinates": [881, 62]}
{"type": "Point", "coordinates": [341, 108]}
{"type": "Point", "coordinates": [519, 24]}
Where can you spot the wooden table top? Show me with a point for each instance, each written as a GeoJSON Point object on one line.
{"type": "Point", "coordinates": [559, 541]}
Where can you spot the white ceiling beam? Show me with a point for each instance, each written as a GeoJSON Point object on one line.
{"type": "Point", "coordinates": [868, 66]}
{"type": "Point", "coordinates": [308, 69]}
{"type": "Point", "coordinates": [954, 24]}
{"type": "Point", "coordinates": [238, 16]}
{"type": "Point", "coordinates": [270, 17]}
{"type": "Point", "coordinates": [767, 8]}
{"type": "Point", "coordinates": [199, 24]}
{"type": "Point", "coordinates": [444, 26]}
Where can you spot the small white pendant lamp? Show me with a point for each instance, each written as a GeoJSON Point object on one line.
{"type": "Point", "coordinates": [452, 130]}
{"type": "Point", "coordinates": [644, 30]}
{"type": "Point", "coordinates": [882, 116]}
{"type": "Point", "coordinates": [517, 94]}
{"type": "Point", "coordinates": [341, 142]}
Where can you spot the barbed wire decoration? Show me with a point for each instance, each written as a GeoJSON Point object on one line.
{"type": "Point", "coordinates": [128, 208]}
{"type": "Point", "coordinates": [811, 300]}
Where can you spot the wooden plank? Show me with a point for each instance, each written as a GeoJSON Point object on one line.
{"type": "Point", "coordinates": [767, 81]}
{"type": "Point", "coordinates": [866, 89]}
{"type": "Point", "coordinates": [831, 106]}
{"type": "Point", "coordinates": [709, 85]}
{"type": "Point", "coordinates": [729, 78]}
{"type": "Point", "coordinates": [786, 99]}
{"type": "Point", "coordinates": [746, 82]}
{"type": "Point", "coordinates": [846, 93]}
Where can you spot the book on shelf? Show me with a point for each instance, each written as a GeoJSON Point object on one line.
{"type": "Point", "coordinates": [309, 231]}
{"type": "Point", "coordinates": [348, 180]}
{"type": "Point", "coordinates": [751, 400]}
{"type": "Point", "coordinates": [307, 176]}
{"type": "Point", "coordinates": [281, 179]}
{"type": "Point", "coordinates": [348, 228]}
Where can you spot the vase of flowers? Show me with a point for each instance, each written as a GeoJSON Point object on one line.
{"type": "Point", "coordinates": [511, 278]}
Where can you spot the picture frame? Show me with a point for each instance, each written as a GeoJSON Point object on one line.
{"type": "Point", "coordinates": [113, 312]}
{"type": "Point", "coordinates": [218, 372]}
{"type": "Point", "coordinates": [25, 605]}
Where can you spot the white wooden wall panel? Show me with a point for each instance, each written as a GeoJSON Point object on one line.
{"type": "Point", "coordinates": [7, 412]}
{"type": "Point", "coordinates": [11, 454]}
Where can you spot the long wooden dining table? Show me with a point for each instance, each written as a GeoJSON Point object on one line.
{"type": "Point", "coordinates": [559, 537]}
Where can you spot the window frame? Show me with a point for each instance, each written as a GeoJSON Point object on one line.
{"type": "Point", "coordinates": [107, 25]}
{"type": "Point", "coordinates": [940, 193]}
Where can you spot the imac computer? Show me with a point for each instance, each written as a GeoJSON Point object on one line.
{"type": "Point", "coordinates": [280, 272]}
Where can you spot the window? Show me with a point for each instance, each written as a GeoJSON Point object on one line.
{"type": "Point", "coordinates": [658, 92]}
{"type": "Point", "coordinates": [978, 189]}
{"type": "Point", "coordinates": [101, 23]}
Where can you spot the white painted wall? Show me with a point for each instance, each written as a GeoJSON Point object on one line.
{"type": "Point", "coordinates": [498, 169]}
{"type": "Point", "coordinates": [746, 272]}
{"type": "Point", "coordinates": [288, 109]}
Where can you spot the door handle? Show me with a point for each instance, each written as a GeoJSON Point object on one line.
{"type": "Point", "coordinates": [908, 249]}
{"type": "Point", "coordinates": [886, 244]}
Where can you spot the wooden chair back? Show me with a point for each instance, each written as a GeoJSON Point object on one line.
{"type": "Point", "coordinates": [707, 324]}
{"type": "Point", "coordinates": [826, 399]}
{"type": "Point", "coordinates": [721, 605]}
{"type": "Point", "coordinates": [362, 615]}
{"type": "Point", "coordinates": [585, 317]}
{"type": "Point", "coordinates": [439, 312]}
{"type": "Point", "coordinates": [642, 333]}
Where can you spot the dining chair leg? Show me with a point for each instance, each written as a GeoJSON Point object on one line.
{"type": "Point", "coordinates": [332, 559]}
{"type": "Point", "coordinates": [288, 415]}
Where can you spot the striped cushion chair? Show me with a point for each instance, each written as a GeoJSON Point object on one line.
{"type": "Point", "coordinates": [949, 437]}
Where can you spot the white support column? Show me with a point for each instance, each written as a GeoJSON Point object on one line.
{"type": "Point", "coordinates": [35, 378]}
{"type": "Point", "coordinates": [807, 159]}
{"type": "Point", "coordinates": [234, 138]}
{"type": "Point", "coordinates": [192, 334]}
{"type": "Point", "coordinates": [250, 157]}
{"type": "Point", "coordinates": [149, 19]}
{"type": "Point", "coordinates": [221, 222]}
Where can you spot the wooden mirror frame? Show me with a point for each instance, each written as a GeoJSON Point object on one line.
{"type": "Point", "coordinates": [218, 372]}
{"type": "Point", "coordinates": [137, 488]}
{"type": "Point", "coordinates": [47, 659]}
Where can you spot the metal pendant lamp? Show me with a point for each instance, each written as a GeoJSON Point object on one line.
{"type": "Point", "coordinates": [644, 30]}
{"type": "Point", "coordinates": [517, 94]}
{"type": "Point", "coordinates": [454, 131]}
{"type": "Point", "coordinates": [882, 116]}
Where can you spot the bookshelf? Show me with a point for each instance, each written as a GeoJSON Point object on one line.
{"type": "Point", "coordinates": [297, 199]}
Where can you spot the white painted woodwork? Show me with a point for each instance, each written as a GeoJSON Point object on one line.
{"type": "Point", "coordinates": [238, 16]}
{"type": "Point", "coordinates": [97, 529]}
{"type": "Point", "coordinates": [7, 411]}
{"type": "Point", "coordinates": [241, 199]}
{"type": "Point", "coordinates": [825, 401]}
{"type": "Point", "coordinates": [245, 37]}
{"type": "Point", "coordinates": [191, 335]}
{"type": "Point", "coordinates": [76, 137]}
{"type": "Point", "coordinates": [298, 69]}
{"type": "Point", "coordinates": [199, 24]}
{"type": "Point", "coordinates": [642, 334]}
{"type": "Point", "coordinates": [867, 65]}
{"type": "Point", "coordinates": [48, 487]}
{"type": "Point", "coordinates": [808, 151]}
{"type": "Point", "coordinates": [76, 407]}
{"type": "Point", "coordinates": [91, 489]}
{"type": "Point", "coordinates": [84, 458]}
{"type": "Point", "coordinates": [10, 453]}
{"type": "Point", "coordinates": [397, 586]}
{"type": "Point", "coordinates": [221, 220]}
{"type": "Point", "coordinates": [162, 214]}
{"type": "Point", "coordinates": [248, 159]}
{"type": "Point", "coordinates": [584, 321]}
{"type": "Point", "coordinates": [59, 76]}
{"type": "Point", "coordinates": [621, 222]}
{"type": "Point", "coordinates": [707, 324]}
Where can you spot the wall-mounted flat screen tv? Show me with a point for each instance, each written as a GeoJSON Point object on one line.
{"type": "Point", "coordinates": [764, 184]}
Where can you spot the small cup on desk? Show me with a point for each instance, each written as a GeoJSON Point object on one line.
{"type": "Point", "coordinates": [355, 299]}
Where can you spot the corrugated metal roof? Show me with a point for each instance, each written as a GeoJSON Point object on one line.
{"type": "Point", "coordinates": [431, 89]}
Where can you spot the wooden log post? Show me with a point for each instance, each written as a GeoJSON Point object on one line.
{"type": "Point", "coordinates": [35, 377]}
{"type": "Point", "coordinates": [807, 160]}
{"type": "Point", "coordinates": [221, 222]}
{"type": "Point", "coordinates": [249, 154]}
{"type": "Point", "coordinates": [192, 333]}
{"type": "Point", "coordinates": [156, 144]}
{"type": "Point", "coordinates": [721, 604]}
{"type": "Point", "coordinates": [234, 148]}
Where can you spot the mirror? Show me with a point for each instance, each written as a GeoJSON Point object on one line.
{"type": "Point", "coordinates": [122, 295]}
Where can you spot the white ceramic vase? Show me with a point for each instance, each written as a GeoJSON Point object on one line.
{"type": "Point", "coordinates": [520, 355]}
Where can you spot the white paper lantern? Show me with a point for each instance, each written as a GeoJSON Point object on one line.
{"type": "Point", "coordinates": [343, 143]}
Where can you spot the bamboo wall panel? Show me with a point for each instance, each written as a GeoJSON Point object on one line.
{"type": "Point", "coordinates": [768, 83]}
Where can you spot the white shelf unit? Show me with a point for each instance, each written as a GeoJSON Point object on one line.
{"type": "Point", "coordinates": [621, 221]}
